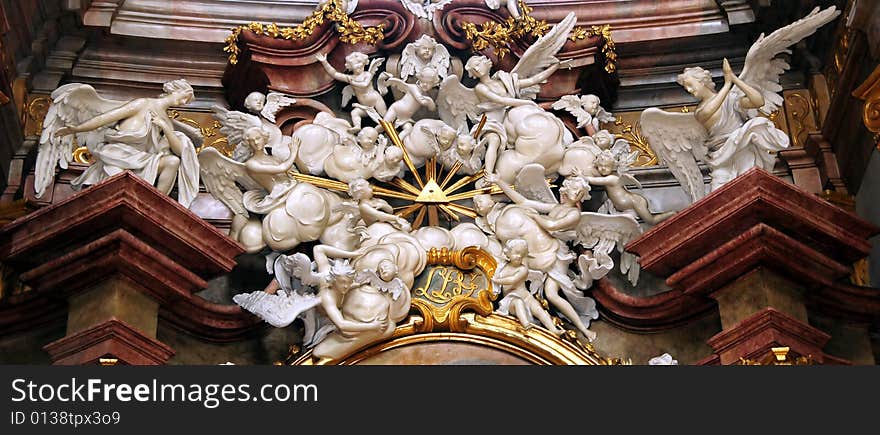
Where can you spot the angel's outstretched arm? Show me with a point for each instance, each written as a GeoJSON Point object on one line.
{"type": "Point", "coordinates": [521, 274]}
{"type": "Point", "coordinates": [608, 180]}
{"type": "Point", "coordinates": [376, 214]}
{"type": "Point", "coordinates": [520, 199]}
{"type": "Point", "coordinates": [484, 92]}
{"type": "Point", "coordinates": [332, 71]}
{"type": "Point", "coordinates": [267, 168]}
{"type": "Point", "coordinates": [122, 112]}
{"type": "Point", "coordinates": [323, 253]}
{"type": "Point", "coordinates": [540, 77]}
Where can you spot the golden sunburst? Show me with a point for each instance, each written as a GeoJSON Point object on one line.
{"type": "Point", "coordinates": [434, 193]}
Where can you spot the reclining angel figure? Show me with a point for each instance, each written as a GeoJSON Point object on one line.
{"type": "Point", "coordinates": [726, 130]}
{"type": "Point", "coordinates": [536, 135]}
{"type": "Point", "coordinates": [137, 136]}
{"type": "Point", "coordinates": [291, 212]}
{"type": "Point", "coordinates": [546, 225]}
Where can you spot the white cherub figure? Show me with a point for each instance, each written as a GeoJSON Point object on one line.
{"type": "Point", "coordinates": [586, 109]}
{"type": "Point", "coordinates": [517, 300]}
{"type": "Point", "coordinates": [416, 96]}
{"type": "Point", "coordinates": [608, 166]}
{"type": "Point", "coordinates": [360, 84]}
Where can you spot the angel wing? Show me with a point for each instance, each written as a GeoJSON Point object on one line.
{"type": "Point", "coordinates": [72, 105]}
{"type": "Point", "coordinates": [375, 64]}
{"type": "Point", "coordinates": [573, 105]}
{"type": "Point", "coordinates": [457, 103]}
{"type": "Point", "coordinates": [299, 266]}
{"type": "Point", "coordinates": [601, 233]}
{"type": "Point", "coordinates": [542, 53]}
{"type": "Point", "coordinates": [275, 101]}
{"type": "Point", "coordinates": [220, 175]}
{"type": "Point", "coordinates": [234, 123]}
{"type": "Point", "coordinates": [762, 68]}
{"type": "Point", "coordinates": [530, 182]}
{"type": "Point", "coordinates": [679, 141]}
{"type": "Point", "coordinates": [347, 93]}
{"type": "Point", "coordinates": [279, 309]}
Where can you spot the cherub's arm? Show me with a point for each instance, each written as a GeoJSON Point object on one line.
{"type": "Point", "coordinates": [608, 180]}
{"type": "Point", "coordinates": [519, 199]}
{"type": "Point", "coordinates": [323, 253]}
{"type": "Point", "coordinates": [332, 71]}
{"type": "Point", "coordinates": [122, 112]}
{"type": "Point", "coordinates": [374, 213]}
{"type": "Point", "coordinates": [520, 275]}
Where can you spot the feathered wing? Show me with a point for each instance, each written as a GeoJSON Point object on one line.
{"type": "Point", "coordinates": [601, 233]}
{"type": "Point", "coordinates": [457, 103]}
{"type": "Point", "coordinates": [220, 175]}
{"type": "Point", "coordinates": [542, 53]}
{"type": "Point", "coordinates": [300, 266]}
{"type": "Point", "coordinates": [679, 141]}
{"type": "Point", "coordinates": [72, 104]}
{"type": "Point", "coordinates": [279, 309]}
{"type": "Point", "coordinates": [573, 105]}
{"type": "Point", "coordinates": [275, 101]}
{"type": "Point", "coordinates": [234, 123]}
{"type": "Point", "coordinates": [530, 182]}
{"type": "Point", "coordinates": [762, 68]}
{"type": "Point", "coordinates": [347, 94]}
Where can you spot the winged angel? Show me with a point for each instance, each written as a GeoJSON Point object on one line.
{"type": "Point", "coordinates": [137, 136]}
{"type": "Point", "coordinates": [726, 130]}
{"type": "Point", "coordinates": [546, 224]}
{"type": "Point", "coordinates": [506, 100]}
{"type": "Point", "coordinates": [267, 106]}
{"type": "Point", "coordinates": [291, 212]}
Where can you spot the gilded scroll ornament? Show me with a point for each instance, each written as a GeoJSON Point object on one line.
{"type": "Point", "coordinates": [350, 31]}
{"type": "Point", "coordinates": [778, 356]}
{"type": "Point", "coordinates": [869, 92]}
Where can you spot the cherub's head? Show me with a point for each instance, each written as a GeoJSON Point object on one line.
{"type": "Point", "coordinates": [478, 66]}
{"type": "Point", "coordinates": [255, 102]}
{"type": "Point", "coordinates": [697, 82]}
{"type": "Point", "coordinates": [425, 47]}
{"type": "Point", "coordinates": [516, 250]}
{"type": "Point", "coordinates": [360, 189]}
{"type": "Point", "coordinates": [606, 164]}
{"type": "Point", "coordinates": [573, 190]}
{"type": "Point", "coordinates": [483, 204]}
{"type": "Point", "coordinates": [367, 138]}
{"type": "Point", "coordinates": [603, 139]}
{"type": "Point", "coordinates": [427, 78]}
{"type": "Point", "coordinates": [256, 138]}
{"type": "Point", "coordinates": [341, 276]}
{"type": "Point", "coordinates": [590, 103]}
{"type": "Point", "coordinates": [393, 156]}
{"type": "Point", "coordinates": [465, 145]}
{"type": "Point", "coordinates": [387, 270]}
{"type": "Point", "coordinates": [179, 92]}
{"type": "Point", "coordinates": [356, 61]}
{"type": "Point", "coordinates": [446, 137]}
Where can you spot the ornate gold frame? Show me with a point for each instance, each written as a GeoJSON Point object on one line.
{"type": "Point", "coordinates": [481, 326]}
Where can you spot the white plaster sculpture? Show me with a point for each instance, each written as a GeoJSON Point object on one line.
{"type": "Point", "coordinates": [536, 135]}
{"type": "Point", "coordinates": [360, 84]}
{"type": "Point", "coordinates": [415, 96]}
{"type": "Point", "coordinates": [372, 209]}
{"type": "Point", "coordinates": [425, 8]}
{"type": "Point", "coordinates": [586, 109]}
{"type": "Point", "coordinates": [663, 360]}
{"type": "Point", "coordinates": [266, 106]}
{"type": "Point", "coordinates": [423, 52]}
{"type": "Point", "coordinates": [512, 6]}
{"type": "Point", "coordinates": [370, 157]}
{"type": "Point", "coordinates": [613, 177]}
{"type": "Point", "coordinates": [580, 156]}
{"type": "Point", "coordinates": [318, 139]}
{"type": "Point", "coordinates": [136, 135]}
{"type": "Point", "coordinates": [291, 212]}
{"type": "Point", "coordinates": [511, 278]}
{"type": "Point", "coordinates": [726, 129]}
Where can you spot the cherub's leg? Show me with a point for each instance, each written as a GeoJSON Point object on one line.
{"type": "Point", "coordinates": [356, 116]}
{"type": "Point", "coordinates": [380, 106]}
{"type": "Point", "coordinates": [544, 317]}
{"type": "Point", "coordinates": [493, 147]}
{"type": "Point", "coordinates": [168, 166]}
{"type": "Point", "coordinates": [519, 310]}
{"type": "Point", "coordinates": [391, 115]}
{"type": "Point", "coordinates": [640, 205]}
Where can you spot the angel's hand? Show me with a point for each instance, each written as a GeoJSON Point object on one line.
{"type": "Point", "coordinates": [321, 57]}
{"type": "Point", "coordinates": [728, 71]}
{"type": "Point", "coordinates": [491, 178]}
{"type": "Point", "coordinates": [64, 131]}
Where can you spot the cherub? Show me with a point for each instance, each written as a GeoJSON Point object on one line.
{"type": "Point", "coordinates": [517, 300]}
{"type": "Point", "coordinates": [360, 84]}
{"type": "Point", "coordinates": [586, 109]}
{"type": "Point", "coordinates": [266, 106]}
{"type": "Point", "coordinates": [607, 166]}
{"type": "Point", "coordinates": [580, 156]}
{"type": "Point", "coordinates": [370, 157]}
{"type": "Point", "coordinates": [423, 52]}
{"type": "Point", "coordinates": [372, 209]}
{"type": "Point", "coordinates": [416, 96]}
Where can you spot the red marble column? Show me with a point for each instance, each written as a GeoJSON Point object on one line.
{"type": "Point", "coordinates": [766, 252]}
{"type": "Point", "coordinates": [117, 253]}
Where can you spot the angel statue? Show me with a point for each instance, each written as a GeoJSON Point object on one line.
{"type": "Point", "coordinates": [424, 52]}
{"type": "Point", "coordinates": [536, 216]}
{"type": "Point", "coordinates": [517, 300]}
{"type": "Point", "coordinates": [614, 178]}
{"type": "Point", "coordinates": [291, 212]}
{"type": "Point", "coordinates": [512, 6]}
{"type": "Point", "coordinates": [726, 129]}
{"type": "Point", "coordinates": [360, 84]}
{"type": "Point", "coordinates": [266, 106]}
{"type": "Point", "coordinates": [586, 109]}
{"type": "Point", "coordinates": [137, 136]}
{"type": "Point", "coordinates": [580, 155]}
{"type": "Point", "coordinates": [512, 117]}
{"type": "Point", "coordinates": [424, 9]}
{"type": "Point", "coordinates": [369, 157]}
{"type": "Point", "coordinates": [402, 111]}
